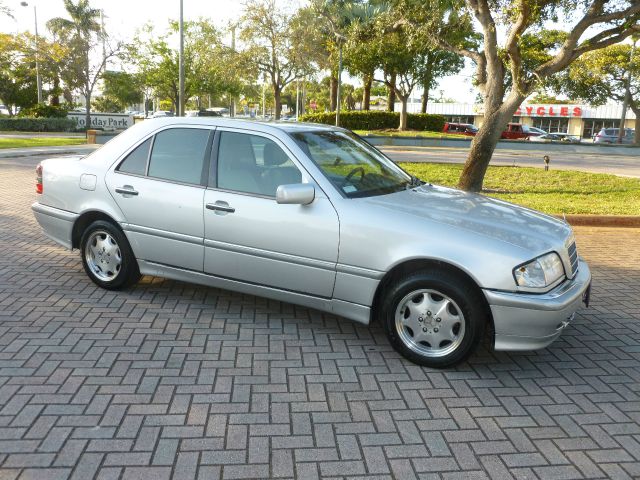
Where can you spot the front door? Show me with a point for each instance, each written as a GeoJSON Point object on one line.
{"type": "Point", "coordinates": [160, 189]}
{"type": "Point", "coordinates": [250, 237]}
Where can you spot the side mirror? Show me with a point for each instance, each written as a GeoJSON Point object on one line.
{"type": "Point", "coordinates": [296, 194]}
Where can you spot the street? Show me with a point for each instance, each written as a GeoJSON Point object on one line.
{"type": "Point", "coordinates": [628, 165]}
{"type": "Point", "coordinates": [174, 379]}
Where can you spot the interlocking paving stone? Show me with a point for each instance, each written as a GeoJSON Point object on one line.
{"type": "Point", "coordinates": [170, 379]}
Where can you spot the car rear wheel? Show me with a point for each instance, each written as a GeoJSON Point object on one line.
{"type": "Point", "coordinates": [434, 319]}
{"type": "Point", "coordinates": [107, 257]}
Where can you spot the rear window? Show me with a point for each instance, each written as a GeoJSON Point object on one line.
{"type": "Point", "coordinates": [611, 131]}
{"type": "Point", "coordinates": [136, 161]}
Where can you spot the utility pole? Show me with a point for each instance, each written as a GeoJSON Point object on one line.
{"type": "Point", "coordinates": [264, 98]}
{"type": "Point", "coordinates": [38, 79]}
{"type": "Point", "coordinates": [627, 96]}
{"type": "Point", "coordinates": [339, 81]}
{"type": "Point", "coordinates": [181, 101]}
{"type": "Point", "coordinates": [104, 47]}
{"type": "Point", "coordinates": [297, 98]}
{"type": "Point", "coordinates": [233, 49]}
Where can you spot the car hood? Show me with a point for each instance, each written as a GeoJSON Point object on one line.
{"type": "Point", "coordinates": [497, 219]}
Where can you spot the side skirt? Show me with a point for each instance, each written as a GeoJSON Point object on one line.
{"type": "Point", "coordinates": [352, 311]}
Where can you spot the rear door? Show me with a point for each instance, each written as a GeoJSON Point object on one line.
{"type": "Point", "coordinates": [159, 186]}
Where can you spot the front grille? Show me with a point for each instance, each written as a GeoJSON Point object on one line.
{"type": "Point", "coordinates": [573, 258]}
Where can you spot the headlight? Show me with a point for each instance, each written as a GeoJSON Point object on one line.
{"type": "Point", "coordinates": [540, 272]}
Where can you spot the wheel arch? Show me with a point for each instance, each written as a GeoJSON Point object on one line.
{"type": "Point", "coordinates": [86, 219]}
{"type": "Point", "coordinates": [408, 267]}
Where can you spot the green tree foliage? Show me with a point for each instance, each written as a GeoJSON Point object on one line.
{"type": "Point", "coordinates": [106, 104]}
{"type": "Point", "coordinates": [612, 73]}
{"type": "Point", "coordinates": [361, 59]}
{"type": "Point", "coordinates": [82, 35]}
{"type": "Point", "coordinates": [122, 89]}
{"type": "Point", "coordinates": [435, 64]}
{"type": "Point", "coordinates": [211, 68]}
{"type": "Point", "coordinates": [273, 46]}
{"type": "Point", "coordinates": [518, 51]}
{"type": "Point", "coordinates": [399, 56]}
{"type": "Point", "coordinates": [17, 74]}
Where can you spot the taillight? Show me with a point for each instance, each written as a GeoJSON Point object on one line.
{"type": "Point", "coordinates": [39, 187]}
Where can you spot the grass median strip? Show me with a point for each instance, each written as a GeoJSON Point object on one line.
{"type": "Point", "coordinates": [40, 142]}
{"type": "Point", "coordinates": [554, 192]}
{"type": "Point", "coordinates": [411, 133]}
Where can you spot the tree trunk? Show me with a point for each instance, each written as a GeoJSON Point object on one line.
{"type": "Point", "coordinates": [484, 144]}
{"type": "Point", "coordinates": [87, 103]}
{"type": "Point", "coordinates": [427, 84]}
{"type": "Point", "coordinates": [425, 95]}
{"type": "Point", "coordinates": [635, 108]}
{"type": "Point", "coordinates": [366, 94]}
{"type": "Point", "coordinates": [278, 102]}
{"type": "Point", "coordinates": [404, 99]}
{"type": "Point", "coordinates": [425, 101]}
{"type": "Point", "coordinates": [333, 93]}
{"type": "Point", "coordinates": [54, 99]}
{"type": "Point", "coordinates": [391, 97]}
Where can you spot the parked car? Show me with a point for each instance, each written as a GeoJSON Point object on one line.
{"type": "Point", "coordinates": [534, 131]}
{"type": "Point", "coordinates": [313, 215]}
{"type": "Point", "coordinates": [460, 128]}
{"type": "Point", "coordinates": [569, 138]}
{"type": "Point", "coordinates": [546, 138]}
{"type": "Point", "coordinates": [162, 113]}
{"type": "Point", "coordinates": [203, 113]}
{"type": "Point", "coordinates": [515, 131]}
{"type": "Point", "coordinates": [610, 135]}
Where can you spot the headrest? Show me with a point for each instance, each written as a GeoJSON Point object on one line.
{"type": "Point", "coordinates": [273, 155]}
{"type": "Point", "coordinates": [237, 147]}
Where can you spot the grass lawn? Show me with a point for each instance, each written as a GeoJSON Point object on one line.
{"type": "Point", "coordinates": [410, 133]}
{"type": "Point", "coordinates": [40, 142]}
{"type": "Point", "coordinates": [554, 192]}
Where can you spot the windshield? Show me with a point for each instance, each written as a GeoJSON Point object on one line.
{"type": "Point", "coordinates": [353, 166]}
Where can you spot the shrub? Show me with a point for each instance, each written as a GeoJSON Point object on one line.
{"type": "Point", "coordinates": [38, 124]}
{"type": "Point", "coordinates": [425, 121]}
{"type": "Point", "coordinates": [376, 120]}
{"type": "Point", "coordinates": [44, 111]}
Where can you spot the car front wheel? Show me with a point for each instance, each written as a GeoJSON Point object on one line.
{"type": "Point", "coordinates": [107, 257]}
{"type": "Point", "coordinates": [434, 319]}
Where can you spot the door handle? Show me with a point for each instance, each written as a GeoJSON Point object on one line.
{"type": "Point", "coordinates": [126, 190]}
{"type": "Point", "coordinates": [220, 207]}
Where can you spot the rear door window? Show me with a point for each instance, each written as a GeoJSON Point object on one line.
{"type": "Point", "coordinates": [178, 155]}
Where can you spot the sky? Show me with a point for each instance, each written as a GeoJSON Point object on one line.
{"type": "Point", "coordinates": [124, 17]}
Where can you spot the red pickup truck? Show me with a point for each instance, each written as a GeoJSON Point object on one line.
{"type": "Point", "coordinates": [515, 131]}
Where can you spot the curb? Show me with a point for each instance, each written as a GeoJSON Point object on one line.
{"type": "Point", "coordinates": [82, 149]}
{"type": "Point", "coordinates": [629, 221]}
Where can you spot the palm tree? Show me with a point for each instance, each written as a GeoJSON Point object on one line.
{"type": "Point", "coordinates": [85, 21]}
{"type": "Point", "coordinates": [79, 33]}
{"type": "Point", "coordinates": [340, 16]}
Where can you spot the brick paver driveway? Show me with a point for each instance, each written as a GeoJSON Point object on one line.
{"type": "Point", "coordinates": [172, 379]}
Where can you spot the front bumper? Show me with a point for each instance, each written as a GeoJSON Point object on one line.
{"type": "Point", "coordinates": [526, 321]}
{"type": "Point", "coordinates": [56, 224]}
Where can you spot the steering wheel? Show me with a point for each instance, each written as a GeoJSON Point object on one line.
{"type": "Point", "coordinates": [360, 170]}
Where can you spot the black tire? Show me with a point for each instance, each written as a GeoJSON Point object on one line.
{"type": "Point", "coordinates": [463, 298]}
{"type": "Point", "coordinates": [123, 275]}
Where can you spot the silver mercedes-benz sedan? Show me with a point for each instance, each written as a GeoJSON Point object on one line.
{"type": "Point", "coordinates": [313, 215]}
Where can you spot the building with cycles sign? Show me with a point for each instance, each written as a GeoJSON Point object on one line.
{"type": "Point", "coordinates": [573, 119]}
